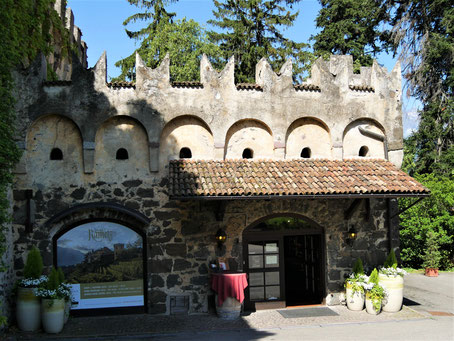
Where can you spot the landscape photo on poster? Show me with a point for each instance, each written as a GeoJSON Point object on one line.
{"type": "Point", "coordinates": [99, 252]}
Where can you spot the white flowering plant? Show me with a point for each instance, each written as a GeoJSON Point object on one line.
{"type": "Point", "coordinates": [357, 278]}
{"type": "Point", "coordinates": [356, 282]}
{"type": "Point", "coordinates": [32, 282]}
{"type": "Point", "coordinates": [393, 272]}
{"type": "Point", "coordinates": [390, 268]}
{"type": "Point", "coordinates": [64, 290]}
{"type": "Point", "coordinates": [374, 290]}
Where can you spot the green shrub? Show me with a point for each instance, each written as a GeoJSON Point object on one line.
{"type": "Point", "coordinates": [358, 267]}
{"type": "Point", "coordinates": [34, 264]}
{"type": "Point", "coordinates": [434, 213]}
{"type": "Point", "coordinates": [373, 278]}
{"type": "Point", "coordinates": [61, 275]}
{"type": "Point", "coordinates": [53, 282]}
{"type": "Point", "coordinates": [391, 261]}
{"type": "Point", "coordinates": [432, 256]}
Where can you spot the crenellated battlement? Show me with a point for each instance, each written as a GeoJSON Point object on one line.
{"type": "Point", "coordinates": [61, 65]}
{"type": "Point", "coordinates": [337, 72]}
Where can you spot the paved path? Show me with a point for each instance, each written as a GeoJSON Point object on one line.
{"type": "Point", "coordinates": [423, 295]}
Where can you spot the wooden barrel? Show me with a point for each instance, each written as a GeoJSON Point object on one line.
{"type": "Point", "coordinates": [230, 308]}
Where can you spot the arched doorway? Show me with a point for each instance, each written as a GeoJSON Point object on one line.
{"type": "Point", "coordinates": [104, 262]}
{"type": "Point", "coordinates": [285, 261]}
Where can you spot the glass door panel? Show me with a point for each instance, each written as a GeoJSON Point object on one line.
{"type": "Point", "coordinates": [264, 272]}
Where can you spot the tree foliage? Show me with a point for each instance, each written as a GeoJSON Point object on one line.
{"type": "Point", "coordinates": [251, 30]}
{"type": "Point", "coordinates": [435, 213]}
{"type": "Point", "coordinates": [423, 34]}
{"type": "Point", "coordinates": [184, 40]}
{"type": "Point", "coordinates": [351, 27]}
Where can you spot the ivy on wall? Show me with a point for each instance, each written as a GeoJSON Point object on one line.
{"type": "Point", "coordinates": [27, 27]}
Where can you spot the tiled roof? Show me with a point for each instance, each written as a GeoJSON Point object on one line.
{"type": "Point", "coordinates": [248, 86]}
{"type": "Point", "coordinates": [306, 87]}
{"type": "Point", "coordinates": [56, 83]}
{"type": "Point", "coordinates": [361, 88]}
{"type": "Point", "coordinates": [196, 85]}
{"type": "Point", "coordinates": [121, 85]}
{"type": "Point", "coordinates": [298, 177]}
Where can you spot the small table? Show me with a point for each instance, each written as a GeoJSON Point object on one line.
{"type": "Point", "coordinates": [229, 288]}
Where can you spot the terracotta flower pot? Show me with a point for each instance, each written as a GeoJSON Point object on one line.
{"type": "Point", "coordinates": [431, 272]}
{"type": "Point", "coordinates": [28, 312]}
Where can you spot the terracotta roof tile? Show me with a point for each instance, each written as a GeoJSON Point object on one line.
{"type": "Point", "coordinates": [193, 85]}
{"type": "Point", "coordinates": [307, 87]}
{"type": "Point", "coordinates": [300, 177]}
{"type": "Point", "coordinates": [248, 86]}
{"type": "Point", "coordinates": [121, 85]}
{"type": "Point", "coordinates": [361, 88]}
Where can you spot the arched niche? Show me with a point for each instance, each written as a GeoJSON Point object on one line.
{"type": "Point", "coordinates": [357, 144]}
{"type": "Point", "coordinates": [54, 151]}
{"type": "Point", "coordinates": [125, 134]}
{"type": "Point", "coordinates": [249, 134]}
{"type": "Point", "coordinates": [308, 137]}
{"type": "Point", "coordinates": [102, 246]}
{"type": "Point", "coordinates": [188, 132]}
{"type": "Point", "coordinates": [273, 250]}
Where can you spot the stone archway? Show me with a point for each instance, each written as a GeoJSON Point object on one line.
{"type": "Point", "coordinates": [101, 248]}
{"type": "Point", "coordinates": [284, 256]}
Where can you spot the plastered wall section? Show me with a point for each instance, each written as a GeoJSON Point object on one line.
{"type": "Point", "coordinates": [219, 121]}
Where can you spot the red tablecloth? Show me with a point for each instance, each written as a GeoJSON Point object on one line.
{"type": "Point", "coordinates": [229, 285]}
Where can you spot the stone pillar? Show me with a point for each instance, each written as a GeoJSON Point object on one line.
{"type": "Point", "coordinates": [89, 157]}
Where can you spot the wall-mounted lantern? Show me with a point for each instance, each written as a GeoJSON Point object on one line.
{"type": "Point", "coordinates": [351, 235]}
{"type": "Point", "coordinates": [221, 236]}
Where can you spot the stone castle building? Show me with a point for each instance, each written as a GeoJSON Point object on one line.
{"type": "Point", "coordinates": [284, 170]}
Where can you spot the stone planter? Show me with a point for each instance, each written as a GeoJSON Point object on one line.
{"type": "Point", "coordinates": [28, 309]}
{"type": "Point", "coordinates": [395, 288]}
{"type": "Point", "coordinates": [370, 306]}
{"type": "Point", "coordinates": [355, 300]}
{"type": "Point", "coordinates": [230, 308]}
{"type": "Point", "coordinates": [53, 315]}
{"type": "Point", "coordinates": [67, 310]}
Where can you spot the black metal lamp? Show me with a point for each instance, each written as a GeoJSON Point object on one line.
{"type": "Point", "coordinates": [221, 236]}
{"type": "Point", "coordinates": [351, 235]}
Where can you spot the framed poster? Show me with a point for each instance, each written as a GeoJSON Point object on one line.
{"type": "Point", "coordinates": [103, 261]}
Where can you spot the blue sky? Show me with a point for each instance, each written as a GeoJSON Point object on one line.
{"type": "Point", "coordinates": [102, 29]}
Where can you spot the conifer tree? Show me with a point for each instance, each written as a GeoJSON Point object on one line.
{"type": "Point", "coordinates": [251, 29]}
{"type": "Point", "coordinates": [423, 34]}
{"type": "Point", "coordinates": [185, 41]}
{"type": "Point", "coordinates": [154, 14]}
{"type": "Point", "coordinates": [350, 27]}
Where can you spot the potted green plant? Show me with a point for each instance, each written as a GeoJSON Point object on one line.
{"type": "Point", "coordinates": [432, 255]}
{"type": "Point", "coordinates": [392, 279]}
{"type": "Point", "coordinates": [52, 304]}
{"type": "Point", "coordinates": [28, 305]}
{"type": "Point", "coordinates": [354, 286]}
{"type": "Point", "coordinates": [375, 293]}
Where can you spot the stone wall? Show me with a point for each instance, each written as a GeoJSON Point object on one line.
{"type": "Point", "coordinates": [180, 236]}
{"type": "Point", "coordinates": [89, 122]}
{"type": "Point", "coordinates": [7, 274]}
